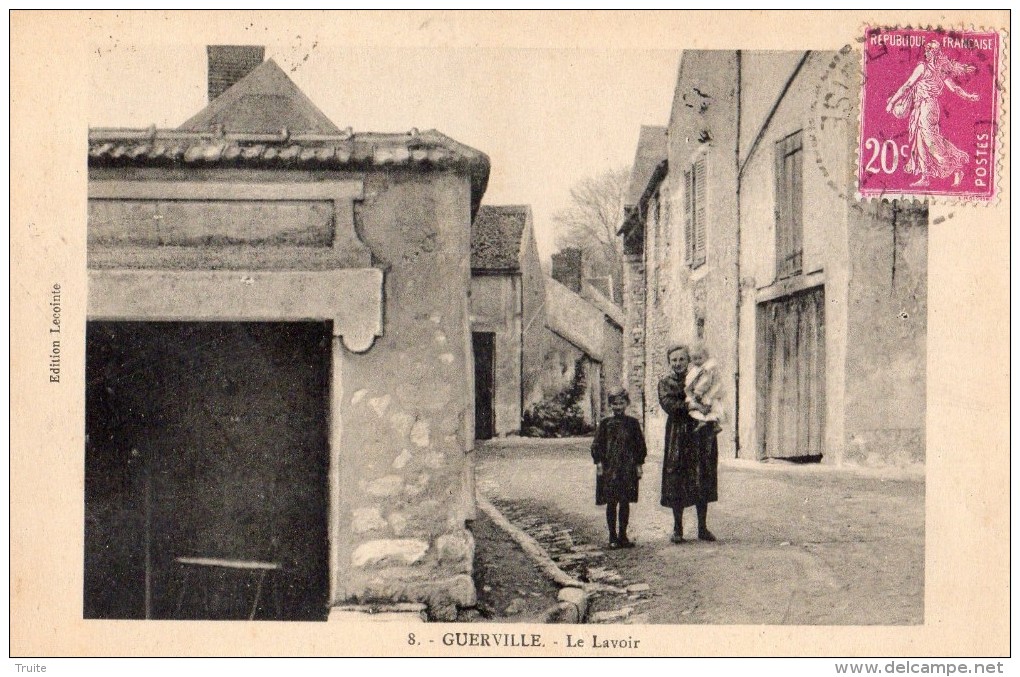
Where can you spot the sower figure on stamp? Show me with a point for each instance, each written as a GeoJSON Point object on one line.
{"type": "Point", "coordinates": [931, 153]}
{"type": "Point", "coordinates": [619, 452]}
{"type": "Point", "coordinates": [690, 456]}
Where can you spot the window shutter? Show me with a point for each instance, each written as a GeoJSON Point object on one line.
{"type": "Point", "coordinates": [796, 210]}
{"type": "Point", "coordinates": [700, 210]}
{"type": "Point", "coordinates": [688, 217]}
{"type": "Point", "coordinates": [789, 206]}
{"type": "Point", "coordinates": [782, 215]}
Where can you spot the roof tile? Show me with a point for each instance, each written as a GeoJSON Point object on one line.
{"type": "Point", "coordinates": [156, 148]}
{"type": "Point", "coordinates": [496, 237]}
{"type": "Point", "coordinates": [651, 151]}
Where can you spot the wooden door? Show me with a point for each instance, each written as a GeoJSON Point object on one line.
{"type": "Point", "coordinates": [485, 377]}
{"type": "Point", "coordinates": [791, 377]}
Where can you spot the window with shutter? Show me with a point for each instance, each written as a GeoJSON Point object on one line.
{"type": "Point", "coordinates": [700, 211]}
{"type": "Point", "coordinates": [696, 212]}
{"type": "Point", "coordinates": [789, 206]}
{"type": "Point", "coordinates": [688, 216]}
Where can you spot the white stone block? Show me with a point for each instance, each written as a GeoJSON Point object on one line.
{"type": "Point", "coordinates": [385, 486]}
{"type": "Point", "coordinates": [367, 519]}
{"type": "Point", "coordinates": [396, 551]}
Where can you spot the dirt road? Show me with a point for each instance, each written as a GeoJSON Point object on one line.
{"type": "Point", "coordinates": [797, 544]}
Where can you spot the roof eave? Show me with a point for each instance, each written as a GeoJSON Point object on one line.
{"type": "Point", "coordinates": [474, 162]}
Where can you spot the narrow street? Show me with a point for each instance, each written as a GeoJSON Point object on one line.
{"type": "Point", "coordinates": [799, 545]}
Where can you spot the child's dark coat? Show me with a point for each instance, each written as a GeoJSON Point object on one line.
{"type": "Point", "coordinates": [619, 446]}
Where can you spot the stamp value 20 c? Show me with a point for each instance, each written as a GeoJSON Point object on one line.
{"type": "Point", "coordinates": [929, 114]}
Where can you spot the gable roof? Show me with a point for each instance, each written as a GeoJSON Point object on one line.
{"type": "Point", "coordinates": [574, 318]}
{"type": "Point", "coordinates": [651, 152]}
{"type": "Point", "coordinates": [496, 237]}
{"type": "Point", "coordinates": [594, 296]}
{"type": "Point", "coordinates": [264, 101]}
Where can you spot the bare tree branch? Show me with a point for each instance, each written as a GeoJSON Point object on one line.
{"type": "Point", "coordinates": [591, 222]}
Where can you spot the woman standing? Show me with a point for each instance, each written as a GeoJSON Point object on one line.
{"type": "Point", "coordinates": [931, 153]}
{"type": "Point", "coordinates": [690, 457]}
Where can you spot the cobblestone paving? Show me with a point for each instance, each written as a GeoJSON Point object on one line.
{"type": "Point", "coordinates": [615, 598]}
{"type": "Point", "coordinates": [797, 545]}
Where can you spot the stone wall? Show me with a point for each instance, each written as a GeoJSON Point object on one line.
{"type": "Point", "coordinates": [561, 361]}
{"type": "Point", "coordinates": [612, 361]}
{"type": "Point", "coordinates": [702, 304]}
{"type": "Point", "coordinates": [407, 404]}
{"type": "Point", "coordinates": [634, 332]}
{"type": "Point", "coordinates": [534, 333]}
{"type": "Point", "coordinates": [886, 335]}
{"type": "Point", "coordinates": [401, 417]}
{"type": "Point", "coordinates": [656, 327]}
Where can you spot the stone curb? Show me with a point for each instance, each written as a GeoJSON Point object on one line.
{"type": "Point", "coordinates": [912, 473]}
{"type": "Point", "coordinates": [517, 441]}
{"type": "Point", "coordinates": [573, 595]}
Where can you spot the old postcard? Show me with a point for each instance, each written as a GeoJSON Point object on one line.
{"type": "Point", "coordinates": [509, 333]}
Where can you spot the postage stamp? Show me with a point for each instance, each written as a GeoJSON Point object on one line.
{"type": "Point", "coordinates": [929, 114]}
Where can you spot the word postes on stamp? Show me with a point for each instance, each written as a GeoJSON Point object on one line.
{"type": "Point", "coordinates": [929, 114]}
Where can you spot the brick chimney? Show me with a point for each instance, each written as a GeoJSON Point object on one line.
{"type": "Point", "coordinates": [567, 270]}
{"type": "Point", "coordinates": [230, 63]}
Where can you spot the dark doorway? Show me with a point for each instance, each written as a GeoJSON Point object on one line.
{"type": "Point", "coordinates": [484, 343]}
{"type": "Point", "coordinates": [791, 377]}
{"type": "Point", "coordinates": [205, 470]}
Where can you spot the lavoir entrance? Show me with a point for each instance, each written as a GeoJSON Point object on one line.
{"type": "Point", "coordinates": [206, 470]}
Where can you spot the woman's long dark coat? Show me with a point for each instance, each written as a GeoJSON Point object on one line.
{"type": "Point", "coordinates": [690, 458]}
{"type": "Point", "coordinates": [619, 445]}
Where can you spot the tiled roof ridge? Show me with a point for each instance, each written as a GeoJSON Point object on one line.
{"type": "Point", "coordinates": [162, 147]}
{"type": "Point", "coordinates": [142, 145]}
{"type": "Point", "coordinates": [651, 150]}
{"type": "Point", "coordinates": [152, 133]}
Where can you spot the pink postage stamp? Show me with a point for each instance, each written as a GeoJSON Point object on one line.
{"type": "Point", "coordinates": [929, 113]}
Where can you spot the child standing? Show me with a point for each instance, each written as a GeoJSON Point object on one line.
{"type": "Point", "coordinates": [703, 390]}
{"type": "Point", "coordinates": [619, 452]}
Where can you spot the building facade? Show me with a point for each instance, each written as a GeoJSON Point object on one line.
{"type": "Point", "coordinates": [279, 362]}
{"type": "Point", "coordinates": [507, 317]}
{"type": "Point", "coordinates": [833, 317]}
{"type": "Point", "coordinates": [812, 302]}
{"type": "Point", "coordinates": [648, 168]}
{"type": "Point", "coordinates": [585, 335]}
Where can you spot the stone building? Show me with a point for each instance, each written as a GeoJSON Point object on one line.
{"type": "Point", "coordinates": [813, 302]}
{"type": "Point", "coordinates": [279, 362]}
{"type": "Point", "coordinates": [647, 172]}
{"type": "Point", "coordinates": [573, 268]}
{"type": "Point", "coordinates": [586, 332]}
{"type": "Point", "coordinates": [507, 317]}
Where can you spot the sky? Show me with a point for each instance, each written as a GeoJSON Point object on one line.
{"type": "Point", "coordinates": [547, 118]}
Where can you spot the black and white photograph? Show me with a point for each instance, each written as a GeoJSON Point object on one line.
{"type": "Point", "coordinates": [362, 334]}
